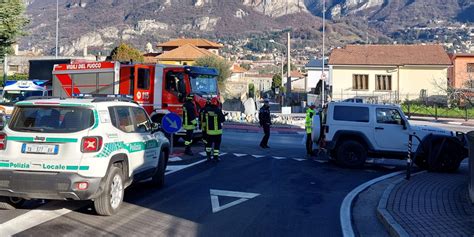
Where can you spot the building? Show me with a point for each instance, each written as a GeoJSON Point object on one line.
{"type": "Point", "coordinates": [461, 75]}
{"type": "Point", "coordinates": [298, 82]}
{"type": "Point", "coordinates": [200, 43]}
{"type": "Point", "coordinates": [389, 72]}
{"type": "Point", "coordinates": [236, 86]}
{"type": "Point", "coordinates": [262, 82]}
{"type": "Point", "coordinates": [314, 69]}
{"type": "Point", "coordinates": [184, 55]}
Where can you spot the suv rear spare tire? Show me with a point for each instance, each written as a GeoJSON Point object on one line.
{"type": "Point", "coordinates": [351, 154]}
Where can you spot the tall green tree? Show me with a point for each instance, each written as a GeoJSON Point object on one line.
{"type": "Point", "coordinates": [222, 65]}
{"type": "Point", "coordinates": [12, 21]}
{"type": "Point", "coordinates": [125, 52]}
{"type": "Point", "coordinates": [276, 81]}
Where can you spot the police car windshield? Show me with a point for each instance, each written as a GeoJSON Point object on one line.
{"type": "Point", "coordinates": [204, 84]}
{"type": "Point", "coordinates": [51, 119]}
{"type": "Point", "coordinates": [12, 96]}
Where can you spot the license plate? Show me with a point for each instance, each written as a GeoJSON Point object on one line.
{"type": "Point", "coordinates": [40, 148]}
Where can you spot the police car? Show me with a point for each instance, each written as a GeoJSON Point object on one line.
{"type": "Point", "coordinates": [79, 149]}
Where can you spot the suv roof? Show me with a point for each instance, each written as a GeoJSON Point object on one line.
{"type": "Point", "coordinates": [75, 100]}
{"type": "Point", "coordinates": [362, 104]}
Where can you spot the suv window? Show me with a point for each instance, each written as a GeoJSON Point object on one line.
{"type": "Point", "coordinates": [51, 119]}
{"type": "Point", "coordinates": [351, 113]}
{"type": "Point", "coordinates": [122, 118]}
{"type": "Point", "coordinates": [388, 116]}
{"type": "Point", "coordinates": [142, 123]}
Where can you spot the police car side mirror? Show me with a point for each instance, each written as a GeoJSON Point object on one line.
{"type": "Point", "coordinates": [155, 127]}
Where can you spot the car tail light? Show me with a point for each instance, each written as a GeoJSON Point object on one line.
{"type": "Point", "coordinates": [91, 144]}
{"type": "Point", "coordinates": [3, 141]}
{"type": "Point", "coordinates": [82, 185]}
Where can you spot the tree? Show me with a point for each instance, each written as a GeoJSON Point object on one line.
{"type": "Point", "coordinates": [251, 90]}
{"type": "Point", "coordinates": [12, 22]}
{"type": "Point", "coordinates": [292, 67]}
{"type": "Point", "coordinates": [246, 66]}
{"type": "Point", "coordinates": [218, 63]}
{"type": "Point", "coordinates": [276, 81]}
{"type": "Point", "coordinates": [125, 52]}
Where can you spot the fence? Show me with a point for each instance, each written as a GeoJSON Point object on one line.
{"type": "Point", "coordinates": [415, 109]}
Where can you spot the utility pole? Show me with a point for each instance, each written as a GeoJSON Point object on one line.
{"type": "Point", "coordinates": [323, 73]}
{"type": "Point", "coordinates": [57, 28]}
{"type": "Point", "coordinates": [288, 73]}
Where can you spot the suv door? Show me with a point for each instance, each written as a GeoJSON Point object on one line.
{"type": "Point", "coordinates": [388, 131]}
{"type": "Point", "coordinates": [143, 128]}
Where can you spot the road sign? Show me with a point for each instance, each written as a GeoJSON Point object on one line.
{"type": "Point", "coordinates": [216, 207]}
{"type": "Point", "coordinates": [171, 123]}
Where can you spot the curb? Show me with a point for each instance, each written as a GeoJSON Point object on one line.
{"type": "Point", "coordinates": [392, 226]}
{"type": "Point", "coordinates": [345, 213]}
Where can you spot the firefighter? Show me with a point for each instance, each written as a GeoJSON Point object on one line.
{"type": "Point", "coordinates": [214, 119]}
{"type": "Point", "coordinates": [310, 112]}
{"type": "Point", "coordinates": [202, 121]}
{"type": "Point", "coordinates": [189, 123]}
{"type": "Point", "coordinates": [265, 122]}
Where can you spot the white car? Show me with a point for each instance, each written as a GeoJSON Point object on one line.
{"type": "Point", "coordinates": [353, 131]}
{"type": "Point", "coordinates": [79, 149]}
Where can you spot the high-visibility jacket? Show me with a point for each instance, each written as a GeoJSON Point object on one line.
{"type": "Point", "coordinates": [214, 119]}
{"type": "Point", "coordinates": [202, 117]}
{"type": "Point", "coordinates": [309, 120]}
{"type": "Point", "coordinates": [189, 115]}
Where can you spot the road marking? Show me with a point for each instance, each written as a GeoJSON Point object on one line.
{"type": "Point", "coordinates": [258, 156]}
{"type": "Point", "coordinates": [455, 123]}
{"type": "Point", "coordinates": [279, 157]}
{"type": "Point", "coordinates": [39, 216]}
{"type": "Point", "coordinates": [216, 207]}
{"type": "Point", "coordinates": [203, 153]}
{"type": "Point", "coordinates": [222, 154]}
{"type": "Point", "coordinates": [174, 159]}
{"type": "Point", "coordinates": [298, 159]}
{"type": "Point", "coordinates": [321, 161]}
{"type": "Point", "coordinates": [239, 155]}
{"type": "Point", "coordinates": [55, 209]}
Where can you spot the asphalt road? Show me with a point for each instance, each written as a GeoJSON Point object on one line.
{"type": "Point", "coordinates": [272, 192]}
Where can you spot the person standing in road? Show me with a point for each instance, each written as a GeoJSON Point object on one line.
{"type": "Point", "coordinates": [265, 122]}
{"type": "Point", "coordinates": [214, 118]}
{"type": "Point", "coordinates": [202, 120]}
{"type": "Point", "coordinates": [189, 123]}
{"type": "Point", "coordinates": [310, 112]}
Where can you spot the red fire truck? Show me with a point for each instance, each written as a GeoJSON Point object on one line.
{"type": "Point", "coordinates": [160, 89]}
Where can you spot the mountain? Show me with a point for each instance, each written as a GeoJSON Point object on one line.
{"type": "Point", "coordinates": [100, 24]}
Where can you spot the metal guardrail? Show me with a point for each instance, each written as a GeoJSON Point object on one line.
{"type": "Point", "coordinates": [470, 136]}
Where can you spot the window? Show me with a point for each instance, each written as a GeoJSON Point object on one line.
{"type": "Point", "coordinates": [389, 116]}
{"type": "Point", "coordinates": [360, 82]}
{"type": "Point", "coordinates": [143, 82]}
{"type": "Point", "coordinates": [51, 119]}
{"type": "Point", "coordinates": [142, 123]}
{"type": "Point", "coordinates": [470, 67]}
{"type": "Point", "coordinates": [123, 119]}
{"type": "Point", "coordinates": [351, 113]}
{"type": "Point", "coordinates": [383, 82]}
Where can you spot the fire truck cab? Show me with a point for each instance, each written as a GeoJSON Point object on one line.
{"type": "Point", "coordinates": [160, 89]}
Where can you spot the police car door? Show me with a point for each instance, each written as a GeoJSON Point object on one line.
{"type": "Point", "coordinates": [143, 128]}
{"type": "Point", "coordinates": [133, 142]}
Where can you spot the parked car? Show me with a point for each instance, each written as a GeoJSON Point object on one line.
{"type": "Point", "coordinates": [79, 149]}
{"type": "Point", "coordinates": [353, 131]}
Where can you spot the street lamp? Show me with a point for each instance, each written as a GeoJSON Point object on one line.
{"type": "Point", "coordinates": [277, 90]}
{"type": "Point", "coordinates": [57, 28]}
{"type": "Point", "coordinates": [288, 71]}
{"type": "Point", "coordinates": [323, 99]}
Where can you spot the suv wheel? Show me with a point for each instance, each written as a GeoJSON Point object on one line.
{"type": "Point", "coordinates": [351, 154]}
{"type": "Point", "coordinates": [158, 179]}
{"type": "Point", "coordinates": [110, 200]}
{"type": "Point", "coordinates": [11, 203]}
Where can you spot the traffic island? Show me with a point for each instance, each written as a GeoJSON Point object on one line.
{"type": "Point", "coordinates": [433, 204]}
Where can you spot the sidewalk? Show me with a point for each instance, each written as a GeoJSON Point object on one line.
{"type": "Point", "coordinates": [454, 121]}
{"type": "Point", "coordinates": [429, 204]}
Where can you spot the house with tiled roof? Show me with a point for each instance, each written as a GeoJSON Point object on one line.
{"type": "Point", "coordinates": [186, 54]}
{"type": "Point", "coordinates": [388, 72]}
{"type": "Point", "coordinates": [200, 43]}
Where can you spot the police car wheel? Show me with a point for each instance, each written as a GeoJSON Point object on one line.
{"type": "Point", "coordinates": [158, 178]}
{"type": "Point", "coordinates": [110, 200]}
{"type": "Point", "coordinates": [11, 203]}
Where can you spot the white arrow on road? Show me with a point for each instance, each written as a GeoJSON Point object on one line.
{"type": "Point", "coordinates": [216, 207]}
{"type": "Point", "coordinates": [173, 124]}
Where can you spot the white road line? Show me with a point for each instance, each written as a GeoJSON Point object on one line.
{"type": "Point", "coordinates": [55, 209]}
{"type": "Point", "coordinates": [174, 159]}
{"type": "Point", "coordinates": [298, 159]}
{"type": "Point", "coordinates": [321, 161]}
{"type": "Point", "coordinates": [38, 216]}
{"type": "Point", "coordinates": [239, 155]}
{"type": "Point", "coordinates": [278, 157]}
{"type": "Point", "coordinates": [345, 211]}
{"type": "Point", "coordinates": [258, 156]}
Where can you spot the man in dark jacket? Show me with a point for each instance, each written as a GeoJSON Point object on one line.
{"type": "Point", "coordinates": [189, 123]}
{"type": "Point", "coordinates": [202, 120]}
{"type": "Point", "coordinates": [214, 118]}
{"type": "Point", "coordinates": [265, 122]}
